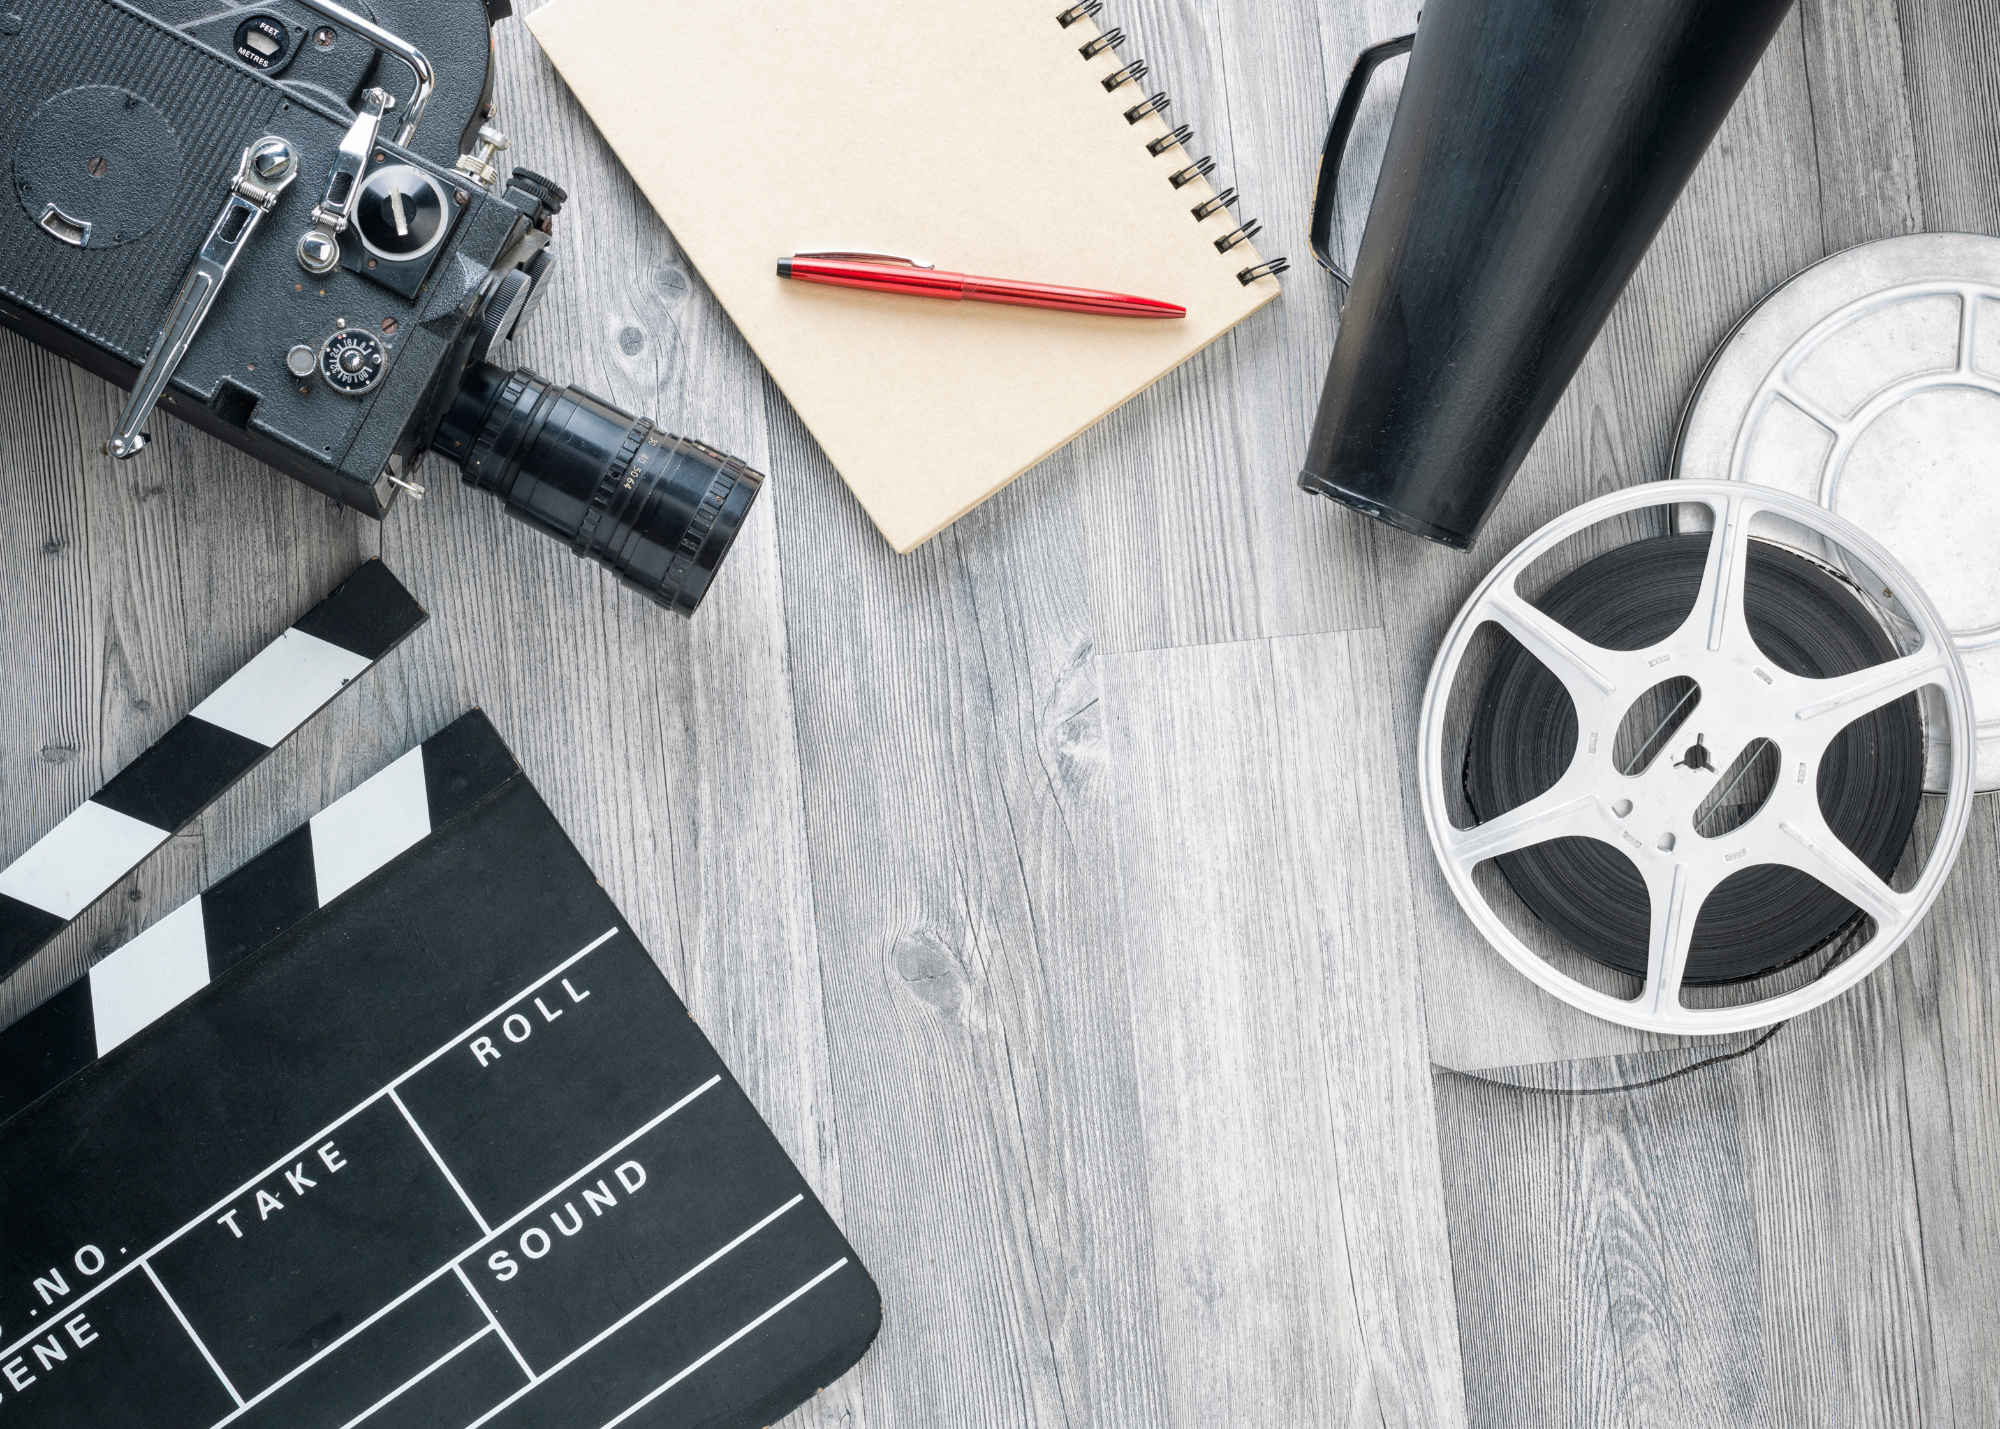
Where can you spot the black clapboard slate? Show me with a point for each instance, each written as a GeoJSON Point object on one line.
{"type": "Point", "coordinates": [444, 1152]}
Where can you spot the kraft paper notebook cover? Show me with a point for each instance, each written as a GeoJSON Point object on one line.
{"type": "Point", "coordinates": [970, 133]}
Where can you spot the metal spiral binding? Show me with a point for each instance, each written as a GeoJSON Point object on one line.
{"type": "Point", "coordinates": [1132, 71]}
{"type": "Point", "coordinates": [1176, 138]}
{"type": "Point", "coordinates": [1238, 235]}
{"type": "Point", "coordinates": [1200, 169]}
{"type": "Point", "coordinates": [1211, 207]}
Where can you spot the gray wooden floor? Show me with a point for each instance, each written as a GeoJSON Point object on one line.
{"type": "Point", "coordinates": [1058, 891]}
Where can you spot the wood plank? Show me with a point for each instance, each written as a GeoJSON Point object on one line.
{"type": "Point", "coordinates": [1298, 1234]}
{"type": "Point", "coordinates": [1949, 74]}
{"type": "Point", "coordinates": [93, 651]}
{"type": "Point", "coordinates": [1354, 900]}
{"type": "Point", "coordinates": [1863, 134]}
{"type": "Point", "coordinates": [958, 812]}
{"type": "Point", "coordinates": [1948, 53]}
{"type": "Point", "coordinates": [1951, 1018]}
{"type": "Point", "coordinates": [1742, 1245]}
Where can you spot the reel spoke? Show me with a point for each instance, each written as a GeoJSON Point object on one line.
{"type": "Point", "coordinates": [1560, 813]}
{"type": "Point", "coordinates": [1844, 699]}
{"type": "Point", "coordinates": [1675, 909]}
{"type": "Point", "coordinates": [1829, 860]}
{"type": "Point", "coordinates": [1582, 667]}
{"type": "Point", "coordinates": [1717, 618]}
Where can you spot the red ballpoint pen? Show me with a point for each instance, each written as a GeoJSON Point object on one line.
{"type": "Point", "coordinates": [887, 273]}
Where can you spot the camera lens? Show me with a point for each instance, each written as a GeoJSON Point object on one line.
{"type": "Point", "coordinates": [659, 511]}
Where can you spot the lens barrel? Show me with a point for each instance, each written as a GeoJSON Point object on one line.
{"type": "Point", "coordinates": [657, 510]}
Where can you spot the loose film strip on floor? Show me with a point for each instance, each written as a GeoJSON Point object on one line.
{"type": "Point", "coordinates": [220, 740]}
{"type": "Point", "coordinates": [445, 1151]}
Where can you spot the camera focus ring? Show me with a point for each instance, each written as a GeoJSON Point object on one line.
{"type": "Point", "coordinates": [729, 471]}
{"type": "Point", "coordinates": [484, 465]}
{"type": "Point", "coordinates": [614, 478]}
{"type": "Point", "coordinates": [658, 511]}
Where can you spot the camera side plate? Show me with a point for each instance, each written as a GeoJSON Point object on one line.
{"type": "Point", "coordinates": [371, 245]}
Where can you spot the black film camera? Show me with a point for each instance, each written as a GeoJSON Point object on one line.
{"type": "Point", "coordinates": [283, 223]}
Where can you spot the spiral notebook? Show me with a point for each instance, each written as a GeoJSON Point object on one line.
{"type": "Point", "coordinates": [1001, 137]}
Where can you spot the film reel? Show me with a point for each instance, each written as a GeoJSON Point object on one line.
{"type": "Point", "coordinates": [1655, 816]}
{"type": "Point", "coordinates": [1760, 919]}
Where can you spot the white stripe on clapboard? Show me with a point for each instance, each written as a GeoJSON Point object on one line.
{"type": "Point", "coordinates": [78, 859]}
{"type": "Point", "coordinates": [281, 687]}
{"type": "Point", "coordinates": [353, 838]}
{"type": "Point", "coordinates": [152, 973]}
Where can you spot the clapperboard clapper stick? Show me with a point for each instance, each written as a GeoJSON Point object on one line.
{"type": "Point", "coordinates": [221, 739]}
{"type": "Point", "coordinates": [426, 1141]}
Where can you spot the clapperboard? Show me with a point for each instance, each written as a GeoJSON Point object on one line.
{"type": "Point", "coordinates": [218, 742]}
{"type": "Point", "coordinates": [400, 1126]}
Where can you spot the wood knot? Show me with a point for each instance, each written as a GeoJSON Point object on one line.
{"type": "Point", "coordinates": [931, 970]}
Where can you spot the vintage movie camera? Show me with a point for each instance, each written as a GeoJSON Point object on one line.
{"type": "Point", "coordinates": [285, 224]}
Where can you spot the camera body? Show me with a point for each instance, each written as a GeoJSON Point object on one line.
{"type": "Point", "coordinates": [283, 223]}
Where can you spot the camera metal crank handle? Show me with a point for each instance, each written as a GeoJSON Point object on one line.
{"type": "Point", "coordinates": [319, 246]}
{"type": "Point", "coordinates": [267, 170]}
{"type": "Point", "coordinates": [396, 45]}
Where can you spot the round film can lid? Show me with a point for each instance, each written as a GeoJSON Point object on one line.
{"type": "Point", "coordinates": [1870, 384]}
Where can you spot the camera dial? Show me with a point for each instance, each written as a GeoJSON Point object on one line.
{"type": "Point", "coordinates": [351, 362]}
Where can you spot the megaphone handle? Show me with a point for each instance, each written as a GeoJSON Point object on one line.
{"type": "Point", "coordinates": [1344, 115]}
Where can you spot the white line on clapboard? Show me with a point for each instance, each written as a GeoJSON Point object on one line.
{"type": "Point", "coordinates": [566, 1183]}
{"type": "Point", "coordinates": [421, 1375]}
{"type": "Point", "coordinates": [332, 1126]}
{"type": "Point", "coordinates": [158, 1285]}
{"type": "Point", "coordinates": [449, 1266]}
{"type": "Point", "coordinates": [277, 1384]}
{"type": "Point", "coordinates": [493, 1320]}
{"type": "Point", "coordinates": [609, 1330]}
{"type": "Point", "coordinates": [641, 1404]}
{"type": "Point", "coordinates": [483, 1227]}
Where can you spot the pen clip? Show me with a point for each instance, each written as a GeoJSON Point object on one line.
{"type": "Point", "coordinates": [850, 256]}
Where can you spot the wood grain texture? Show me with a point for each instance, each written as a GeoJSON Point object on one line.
{"type": "Point", "coordinates": [955, 789]}
{"type": "Point", "coordinates": [1737, 1246]}
{"type": "Point", "coordinates": [1952, 1089]}
{"type": "Point", "coordinates": [1060, 892]}
{"type": "Point", "coordinates": [1804, 1234]}
{"type": "Point", "coordinates": [1298, 1234]}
